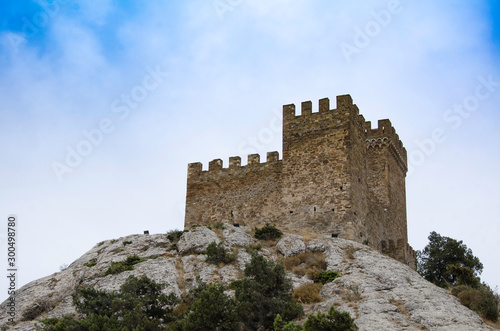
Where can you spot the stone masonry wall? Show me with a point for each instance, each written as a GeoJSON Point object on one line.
{"type": "Point", "coordinates": [246, 194]}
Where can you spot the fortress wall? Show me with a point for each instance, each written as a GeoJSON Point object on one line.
{"type": "Point", "coordinates": [246, 194]}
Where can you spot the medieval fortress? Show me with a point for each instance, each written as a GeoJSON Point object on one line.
{"type": "Point", "coordinates": [337, 176]}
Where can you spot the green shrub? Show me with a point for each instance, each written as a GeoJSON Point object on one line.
{"type": "Point", "coordinates": [91, 263]}
{"type": "Point", "coordinates": [218, 225]}
{"type": "Point", "coordinates": [279, 325]}
{"type": "Point", "coordinates": [482, 300]}
{"type": "Point", "coordinates": [100, 243]}
{"type": "Point", "coordinates": [68, 322]}
{"type": "Point", "coordinates": [253, 248]}
{"type": "Point", "coordinates": [126, 242]}
{"type": "Point", "coordinates": [36, 310]}
{"type": "Point", "coordinates": [265, 289]}
{"type": "Point", "coordinates": [234, 284]}
{"type": "Point", "coordinates": [213, 310]}
{"type": "Point", "coordinates": [308, 293]}
{"type": "Point", "coordinates": [327, 276]}
{"type": "Point", "coordinates": [119, 267]}
{"type": "Point", "coordinates": [216, 253]}
{"type": "Point", "coordinates": [174, 235]}
{"type": "Point", "coordinates": [267, 232]}
{"type": "Point", "coordinates": [334, 321]}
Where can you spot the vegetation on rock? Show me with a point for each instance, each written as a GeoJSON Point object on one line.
{"type": "Point", "coordinates": [264, 292]}
{"type": "Point", "coordinates": [91, 263]}
{"type": "Point", "coordinates": [447, 262]}
{"type": "Point", "coordinates": [334, 320]}
{"type": "Point", "coordinates": [174, 235]}
{"type": "Point", "coordinates": [310, 263]}
{"type": "Point", "coordinates": [268, 232]}
{"type": "Point", "coordinates": [263, 296]}
{"type": "Point", "coordinates": [218, 225]}
{"type": "Point", "coordinates": [216, 253]}
{"type": "Point", "coordinates": [308, 293]}
{"type": "Point", "coordinates": [139, 305]}
{"type": "Point", "coordinates": [481, 299]}
{"type": "Point", "coordinates": [326, 276]}
{"type": "Point", "coordinates": [119, 267]}
{"type": "Point", "coordinates": [213, 310]}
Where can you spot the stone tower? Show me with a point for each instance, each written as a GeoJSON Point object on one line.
{"type": "Point", "coordinates": [337, 175]}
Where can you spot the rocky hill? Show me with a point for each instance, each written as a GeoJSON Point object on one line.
{"type": "Point", "coordinates": [380, 292]}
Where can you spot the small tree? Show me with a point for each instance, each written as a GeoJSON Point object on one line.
{"type": "Point", "coordinates": [448, 262]}
{"type": "Point", "coordinates": [265, 292]}
{"type": "Point", "coordinates": [91, 301]}
{"type": "Point", "coordinates": [139, 305]}
{"type": "Point", "coordinates": [213, 310]}
{"type": "Point", "coordinates": [333, 321]}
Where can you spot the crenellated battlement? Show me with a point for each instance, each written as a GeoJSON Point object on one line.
{"type": "Point", "coordinates": [309, 125]}
{"type": "Point", "coordinates": [344, 104]}
{"type": "Point", "coordinates": [385, 135]}
{"type": "Point", "coordinates": [216, 166]}
{"type": "Point", "coordinates": [337, 175]}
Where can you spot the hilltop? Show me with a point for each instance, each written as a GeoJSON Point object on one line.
{"type": "Point", "coordinates": [378, 291]}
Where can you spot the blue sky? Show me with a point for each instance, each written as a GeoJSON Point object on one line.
{"type": "Point", "coordinates": [139, 89]}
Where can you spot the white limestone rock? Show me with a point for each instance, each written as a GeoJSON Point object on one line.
{"type": "Point", "coordinates": [237, 237]}
{"type": "Point", "coordinates": [316, 246]}
{"type": "Point", "coordinates": [291, 245]}
{"type": "Point", "coordinates": [196, 240]}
